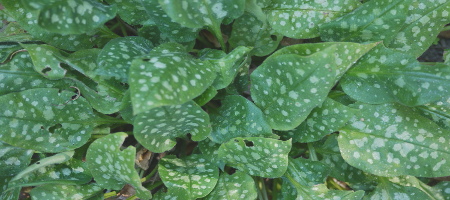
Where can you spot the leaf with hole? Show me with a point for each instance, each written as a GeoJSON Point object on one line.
{"type": "Point", "coordinates": [113, 167]}
{"type": "Point", "coordinates": [302, 19]}
{"type": "Point", "coordinates": [158, 128]}
{"type": "Point", "coordinates": [238, 117]}
{"type": "Point", "coordinates": [384, 75]}
{"type": "Point", "coordinates": [257, 156]}
{"type": "Point", "coordinates": [190, 178]}
{"type": "Point", "coordinates": [168, 76]}
{"type": "Point", "coordinates": [42, 116]}
{"type": "Point", "coordinates": [296, 79]}
{"type": "Point", "coordinates": [235, 186]}
{"type": "Point", "coordinates": [47, 60]}
{"type": "Point", "coordinates": [397, 139]}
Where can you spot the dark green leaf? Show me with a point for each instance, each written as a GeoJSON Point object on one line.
{"type": "Point", "coordinates": [236, 186]}
{"type": "Point", "coordinates": [433, 193]}
{"type": "Point", "coordinates": [67, 192]}
{"type": "Point", "coordinates": [438, 111]}
{"type": "Point", "coordinates": [307, 172]}
{"type": "Point", "coordinates": [131, 11]}
{"type": "Point", "coordinates": [389, 190]}
{"type": "Point", "coordinates": [13, 159]}
{"type": "Point", "coordinates": [189, 178]}
{"type": "Point", "coordinates": [158, 128]}
{"type": "Point", "coordinates": [47, 60]}
{"type": "Point", "coordinates": [207, 95]}
{"type": "Point", "coordinates": [397, 139]}
{"type": "Point", "coordinates": [444, 188]}
{"type": "Point", "coordinates": [257, 156]}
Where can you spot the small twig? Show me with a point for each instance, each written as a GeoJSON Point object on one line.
{"type": "Point", "coordinates": [12, 55]}
{"type": "Point", "coordinates": [75, 97]}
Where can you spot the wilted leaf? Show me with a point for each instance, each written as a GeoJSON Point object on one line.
{"type": "Point", "coordinates": [257, 156]}
{"type": "Point", "coordinates": [158, 128]}
{"type": "Point", "coordinates": [189, 178]}
{"type": "Point", "coordinates": [112, 167]}
{"type": "Point", "coordinates": [236, 186]}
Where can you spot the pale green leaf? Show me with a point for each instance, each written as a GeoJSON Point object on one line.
{"type": "Point", "coordinates": [238, 117]}
{"type": "Point", "coordinates": [257, 156]}
{"type": "Point", "coordinates": [112, 167]}
{"type": "Point", "coordinates": [47, 118]}
{"type": "Point", "coordinates": [168, 76]}
{"type": "Point", "coordinates": [296, 79]}
{"type": "Point", "coordinates": [397, 139]}
{"type": "Point", "coordinates": [302, 18]}
{"type": "Point", "coordinates": [249, 31]}
{"type": "Point", "coordinates": [409, 26]}
{"type": "Point", "coordinates": [66, 192]}
{"type": "Point", "coordinates": [74, 16]}
{"type": "Point", "coordinates": [236, 186]}
{"type": "Point", "coordinates": [384, 75]}
{"type": "Point", "coordinates": [158, 128]}
{"type": "Point", "coordinates": [13, 159]}
{"type": "Point", "coordinates": [389, 190]}
{"type": "Point", "coordinates": [47, 60]}
{"type": "Point", "coordinates": [323, 120]}
{"type": "Point", "coordinates": [189, 178]}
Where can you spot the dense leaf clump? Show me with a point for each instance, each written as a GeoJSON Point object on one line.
{"type": "Point", "coordinates": [223, 99]}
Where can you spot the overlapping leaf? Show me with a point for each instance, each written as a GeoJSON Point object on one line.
{"type": "Point", "coordinates": [189, 178]}
{"type": "Point", "coordinates": [444, 188]}
{"type": "Point", "coordinates": [293, 190]}
{"type": "Point", "coordinates": [131, 11]}
{"type": "Point", "coordinates": [112, 167]}
{"type": "Point", "coordinates": [257, 156]}
{"type": "Point", "coordinates": [236, 186]}
{"type": "Point", "coordinates": [69, 192]}
{"type": "Point", "coordinates": [115, 58]}
{"type": "Point", "coordinates": [43, 117]}
{"type": "Point", "coordinates": [302, 19]}
{"type": "Point", "coordinates": [210, 150]}
{"type": "Point", "coordinates": [307, 172]}
{"type": "Point", "coordinates": [384, 75]}
{"type": "Point", "coordinates": [168, 76]}
{"type": "Point", "coordinates": [433, 193]}
{"type": "Point", "coordinates": [389, 190]}
{"type": "Point", "coordinates": [397, 139]}
{"type": "Point", "coordinates": [238, 117]}
{"type": "Point", "coordinates": [404, 25]}
{"type": "Point", "coordinates": [47, 60]}
{"type": "Point", "coordinates": [158, 128]}
{"type": "Point", "coordinates": [13, 159]}
{"type": "Point", "coordinates": [438, 111]}
{"type": "Point", "coordinates": [324, 119]}
{"type": "Point", "coordinates": [296, 79]}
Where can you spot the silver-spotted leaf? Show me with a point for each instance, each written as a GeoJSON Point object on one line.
{"type": "Point", "coordinates": [236, 186]}
{"type": "Point", "coordinates": [168, 76]}
{"type": "Point", "coordinates": [206, 96]}
{"type": "Point", "coordinates": [293, 190]}
{"type": "Point", "coordinates": [158, 128]}
{"type": "Point", "coordinates": [444, 188]}
{"type": "Point", "coordinates": [257, 156]}
{"type": "Point", "coordinates": [391, 140]}
{"type": "Point", "coordinates": [438, 111]}
{"type": "Point", "coordinates": [8, 50]}
{"type": "Point", "coordinates": [74, 16]}
{"type": "Point", "coordinates": [13, 159]}
{"type": "Point", "coordinates": [114, 60]}
{"type": "Point", "coordinates": [433, 193]}
{"type": "Point", "coordinates": [48, 118]}
{"type": "Point", "coordinates": [249, 31]}
{"type": "Point", "coordinates": [210, 150]}
{"type": "Point", "coordinates": [112, 167]}
{"type": "Point", "coordinates": [47, 60]}
{"type": "Point", "coordinates": [296, 79]}
{"type": "Point", "coordinates": [324, 119]}
{"type": "Point", "coordinates": [190, 178]}
{"type": "Point", "coordinates": [131, 11]}
{"type": "Point", "coordinates": [5, 194]}
{"type": "Point", "coordinates": [238, 117]}
{"type": "Point", "coordinates": [307, 172]}
{"type": "Point", "coordinates": [68, 192]}
{"type": "Point", "coordinates": [302, 18]}
{"type": "Point", "coordinates": [403, 25]}
{"type": "Point", "coordinates": [384, 75]}
{"type": "Point", "coordinates": [389, 190]}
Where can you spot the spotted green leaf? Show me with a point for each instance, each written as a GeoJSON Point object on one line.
{"type": "Point", "coordinates": [302, 19]}
{"type": "Point", "coordinates": [293, 190]}
{"type": "Point", "coordinates": [397, 139]}
{"type": "Point", "coordinates": [168, 27]}
{"type": "Point", "coordinates": [168, 76]}
{"type": "Point", "coordinates": [27, 18]}
{"type": "Point", "coordinates": [438, 111]}
{"type": "Point", "coordinates": [432, 193]}
{"type": "Point", "coordinates": [74, 16]}
{"type": "Point", "coordinates": [384, 75]}
{"type": "Point", "coordinates": [14, 33]}
{"type": "Point", "coordinates": [307, 172]}
{"type": "Point", "coordinates": [324, 119]}
{"type": "Point", "coordinates": [158, 128]}
{"type": "Point", "coordinates": [210, 150]}
{"type": "Point", "coordinates": [403, 25]}
{"type": "Point", "coordinates": [208, 14]}
{"type": "Point", "coordinates": [236, 186]}
{"type": "Point", "coordinates": [296, 79]}
{"type": "Point", "coordinates": [389, 190]}
{"type": "Point", "coordinates": [43, 117]}
{"type": "Point", "coordinates": [131, 11]}
{"type": "Point", "coordinates": [47, 60]}
{"type": "Point", "coordinates": [7, 51]}
{"type": "Point", "coordinates": [190, 178]}
{"type": "Point", "coordinates": [206, 96]}
{"type": "Point", "coordinates": [13, 159]}
{"type": "Point", "coordinates": [12, 194]}
{"type": "Point", "coordinates": [444, 188]}
{"type": "Point", "coordinates": [115, 58]}
{"type": "Point", "coordinates": [69, 192]}
{"type": "Point", "coordinates": [112, 167]}
{"type": "Point", "coordinates": [257, 156]}
{"type": "Point", "coordinates": [238, 117]}
{"type": "Point", "coordinates": [248, 30]}
{"type": "Point", "coordinates": [70, 172]}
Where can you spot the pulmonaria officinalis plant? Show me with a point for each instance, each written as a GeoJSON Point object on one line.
{"type": "Point", "coordinates": [223, 99]}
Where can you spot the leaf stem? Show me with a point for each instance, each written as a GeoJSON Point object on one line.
{"type": "Point", "coordinates": [312, 152]}
{"type": "Point", "coordinates": [153, 172]}
{"type": "Point", "coordinates": [261, 188]}
{"type": "Point", "coordinates": [276, 187]}
{"type": "Point", "coordinates": [109, 194]}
